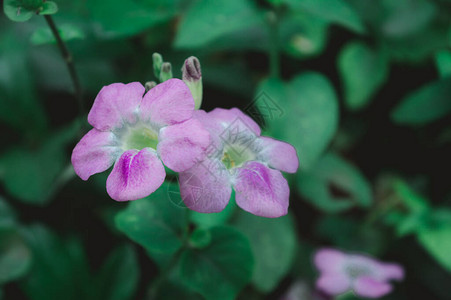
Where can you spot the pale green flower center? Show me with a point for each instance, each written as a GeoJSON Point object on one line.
{"type": "Point", "coordinates": [141, 137]}
{"type": "Point", "coordinates": [235, 156]}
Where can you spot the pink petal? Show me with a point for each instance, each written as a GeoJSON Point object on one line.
{"type": "Point", "coordinates": [183, 145]}
{"type": "Point", "coordinates": [206, 187]}
{"type": "Point", "coordinates": [94, 153]}
{"type": "Point", "coordinates": [115, 104]}
{"type": "Point", "coordinates": [388, 271]}
{"type": "Point", "coordinates": [135, 175]}
{"type": "Point", "coordinates": [368, 287]}
{"type": "Point", "coordinates": [329, 260]}
{"type": "Point", "coordinates": [168, 103]}
{"type": "Point", "coordinates": [231, 116]}
{"type": "Point", "coordinates": [261, 191]}
{"type": "Point", "coordinates": [333, 283]}
{"type": "Point", "coordinates": [210, 124]}
{"type": "Point", "coordinates": [279, 155]}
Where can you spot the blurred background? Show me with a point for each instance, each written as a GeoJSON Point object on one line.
{"type": "Point", "coordinates": [361, 88]}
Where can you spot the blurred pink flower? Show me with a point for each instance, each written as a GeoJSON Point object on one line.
{"type": "Point", "coordinates": [239, 158]}
{"type": "Point", "coordinates": [367, 277]}
{"type": "Point", "coordinates": [138, 132]}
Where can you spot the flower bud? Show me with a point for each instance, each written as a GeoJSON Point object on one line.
{"type": "Point", "coordinates": [166, 71]}
{"type": "Point", "coordinates": [192, 76]}
{"type": "Point", "coordinates": [149, 85]}
{"type": "Point", "coordinates": [157, 62]}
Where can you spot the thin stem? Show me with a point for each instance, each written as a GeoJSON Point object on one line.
{"type": "Point", "coordinates": [274, 58]}
{"type": "Point", "coordinates": [69, 62]}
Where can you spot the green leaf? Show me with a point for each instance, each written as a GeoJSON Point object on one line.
{"type": "Point", "coordinates": [118, 278]}
{"type": "Point", "coordinates": [337, 11]}
{"type": "Point", "coordinates": [15, 256]}
{"type": "Point", "coordinates": [122, 18]}
{"type": "Point", "coordinates": [67, 32]}
{"type": "Point", "coordinates": [425, 105]}
{"type": "Point", "coordinates": [48, 8]}
{"type": "Point", "coordinates": [220, 270]}
{"type": "Point", "coordinates": [59, 269]}
{"type": "Point", "coordinates": [154, 222]}
{"type": "Point", "coordinates": [332, 172]}
{"type": "Point", "coordinates": [273, 243]}
{"type": "Point", "coordinates": [443, 63]}
{"type": "Point", "coordinates": [411, 200]}
{"type": "Point", "coordinates": [19, 106]}
{"type": "Point", "coordinates": [42, 170]}
{"type": "Point", "coordinates": [302, 34]}
{"type": "Point", "coordinates": [363, 71]}
{"type": "Point", "coordinates": [406, 17]}
{"type": "Point", "coordinates": [437, 241]}
{"type": "Point", "coordinates": [303, 112]}
{"type": "Point", "coordinates": [207, 20]}
{"type": "Point", "coordinates": [21, 10]}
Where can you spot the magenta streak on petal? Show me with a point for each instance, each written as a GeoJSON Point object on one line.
{"type": "Point", "coordinates": [135, 175]}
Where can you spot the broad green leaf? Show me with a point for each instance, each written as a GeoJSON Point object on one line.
{"type": "Point", "coordinates": [336, 11]}
{"type": "Point", "coordinates": [33, 176]}
{"type": "Point", "coordinates": [119, 18]}
{"type": "Point", "coordinates": [59, 269]}
{"type": "Point", "coordinates": [437, 241]}
{"type": "Point", "coordinates": [332, 172]}
{"type": "Point", "coordinates": [67, 32]}
{"type": "Point", "coordinates": [154, 222]}
{"type": "Point", "coordinates": [118, 278]}
{"type": "Point", "coordinates": [19, 106]}
{"type": "Point", "coordinates": [302, 112]}
{"type": "Point", "coordinates": [21, 10]}
{"type": "Point", "coordinates": [302, 34]}
{"type": "Point", "coordinates": [220, 270]}
{"type": "Point", "coordinates": [443, 62]}
{"type": "Point", "coordinates": [273, 243]}
{"type": "Point", "coordinates": [207, 20]}
{"type": "Point", "coordinates": [15, 256]}
{"type": "Point", "coordinates": [425, 105]}
{"type": "Point", "coordinates": [363, 71]}
{"type": "Point", "coordinates": [406, 17]}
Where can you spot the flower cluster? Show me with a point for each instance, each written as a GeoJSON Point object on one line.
{"type": "Point", "coordinates": [140, 133]}
{"type": "Point", "coordinates": [367, 277]}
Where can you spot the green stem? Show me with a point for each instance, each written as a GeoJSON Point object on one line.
{"type": "Point", "coordinates": [274, 58]}
{"type": "Point", "coordinates": [67, 56]}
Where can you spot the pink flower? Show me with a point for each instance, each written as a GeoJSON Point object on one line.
{"type": "Point", "coordinates": [239, 158]}
{"type": "Point", "coordinates": [138, 132]}
{"type": "Point", "coordinates": [341, 272]}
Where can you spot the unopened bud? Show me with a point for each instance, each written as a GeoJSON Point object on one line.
{"type": "Point", "coordinates": [191, 69]}
{"type": "Point", "coordinates": [166, 71]}
{"type": "Point", "coordinates": [192, 76]}
{"type": "Point", "coordinates": [157, 62]}
{"type": "Point", "coordinates": [150, 85]}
